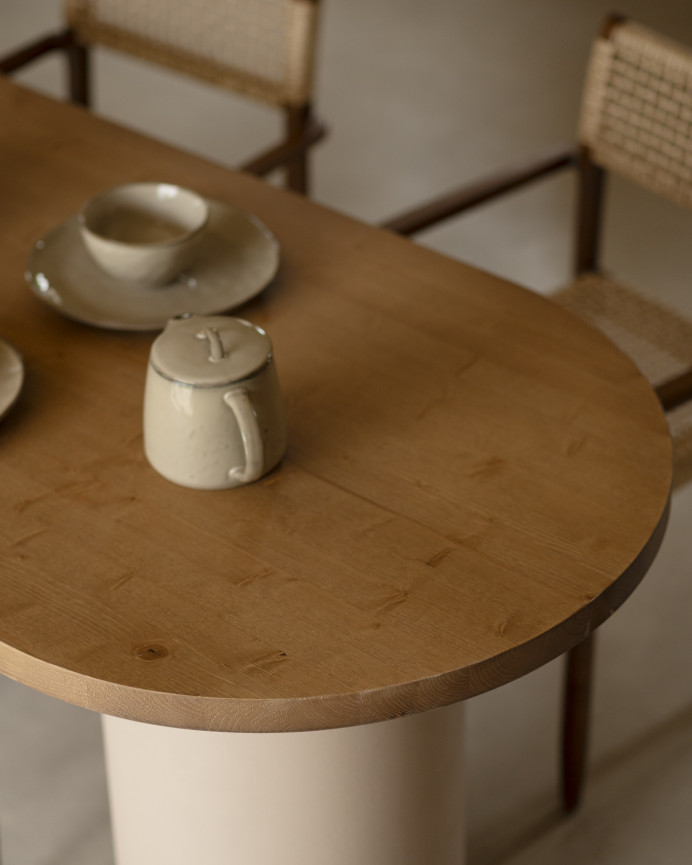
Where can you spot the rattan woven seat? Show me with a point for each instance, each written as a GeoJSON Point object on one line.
{"type": "Point", "coordinates": [263, 49]}
{"type": "Point", "coordinates": [636, 121]}
{"type": "Point", "coordinates": [655, 336]}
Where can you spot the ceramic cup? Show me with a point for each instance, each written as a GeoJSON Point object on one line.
{"type": "Point", "coordinates": [144, 232]}
{"type": "Point", "coordinates": [213, 413]}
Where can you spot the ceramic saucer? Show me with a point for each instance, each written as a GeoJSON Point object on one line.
{"type": "Point", "coordinates": [239, 257]}
{"type": "Point", "coordinates": [11, 376]}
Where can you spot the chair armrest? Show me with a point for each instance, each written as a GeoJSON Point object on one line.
{"type": "Point", "coordinates": [283, 154]}
{"type": "Point", "coordinates": [676, 391]}
{"type": "Point", "coordinates": [478, 192]}
{"type": "Point", "coordinates": [55, 42]}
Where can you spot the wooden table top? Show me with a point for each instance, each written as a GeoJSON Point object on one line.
{"type": "Point", "coordinates": [474, 478]}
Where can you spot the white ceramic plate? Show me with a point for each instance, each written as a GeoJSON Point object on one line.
{"type": "Point", "coordinates": [11, 376]}
{"type": "Point", "coordinates": [238, 259]}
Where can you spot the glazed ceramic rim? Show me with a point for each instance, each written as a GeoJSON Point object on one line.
{"type": "Point", "coordinates": [8, 349]}
{"type": "Point", "coordinates": [84, 215]}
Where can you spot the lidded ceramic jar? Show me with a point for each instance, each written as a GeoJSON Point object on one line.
{"type": "Point", "coordinates": [213, 413]}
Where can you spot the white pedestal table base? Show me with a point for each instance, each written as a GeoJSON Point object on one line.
{"type": "Point", "coordinates": [382, 794]}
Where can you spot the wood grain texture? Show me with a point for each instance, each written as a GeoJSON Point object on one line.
{"type": "Point", "coordinates": [474, 481]}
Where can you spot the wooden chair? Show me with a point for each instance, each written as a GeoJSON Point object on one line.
{"type": "Point", "coordinates": [636, 121]}
{"type": "Point", "coordinates": [264, 49]}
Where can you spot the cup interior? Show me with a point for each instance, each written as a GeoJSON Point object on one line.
{"type": "Point", "coordinates": [145, 214]}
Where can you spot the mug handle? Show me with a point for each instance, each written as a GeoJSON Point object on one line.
{"type": "Point", "coordinates": [241, 406]}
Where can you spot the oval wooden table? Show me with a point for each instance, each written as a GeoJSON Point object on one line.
{"type": "Point", "coordinates": [474, 481]}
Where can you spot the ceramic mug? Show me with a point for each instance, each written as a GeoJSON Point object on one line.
{"type": "Point", "coordinates": [213, 413]}
{"type": "Point", "coordinates": [144, 232]}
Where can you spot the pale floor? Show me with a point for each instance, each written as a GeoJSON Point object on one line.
{"type": "Point", "coordinates": [421, 96]}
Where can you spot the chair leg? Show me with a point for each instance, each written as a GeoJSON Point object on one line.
{"type": "Point", "coordinates": [297, 120]}
{"type": "Point", "coordinates": [575, 727]}
{"type": "Point", "coordinates": [79, 79]}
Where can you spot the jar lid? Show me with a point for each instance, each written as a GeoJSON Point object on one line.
{"type": "Point", "coordinates": [210, 350]}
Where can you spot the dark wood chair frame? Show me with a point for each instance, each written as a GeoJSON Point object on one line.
{"type": "Point", "coordinates": [591, 187]}
{"type": "Point", "coordinates": [303, 129]}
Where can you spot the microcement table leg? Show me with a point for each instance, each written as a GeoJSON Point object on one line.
{"type": "Point", "coordinates": [390, 793]}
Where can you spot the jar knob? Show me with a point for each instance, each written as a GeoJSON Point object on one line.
{"type": "Point", "coordinates": [216, 349]}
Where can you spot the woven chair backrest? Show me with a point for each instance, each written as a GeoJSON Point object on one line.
{"type": "Point", "coordinates": [262, 48]}
{"type": "Point", "coordinates": [636, 115]}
